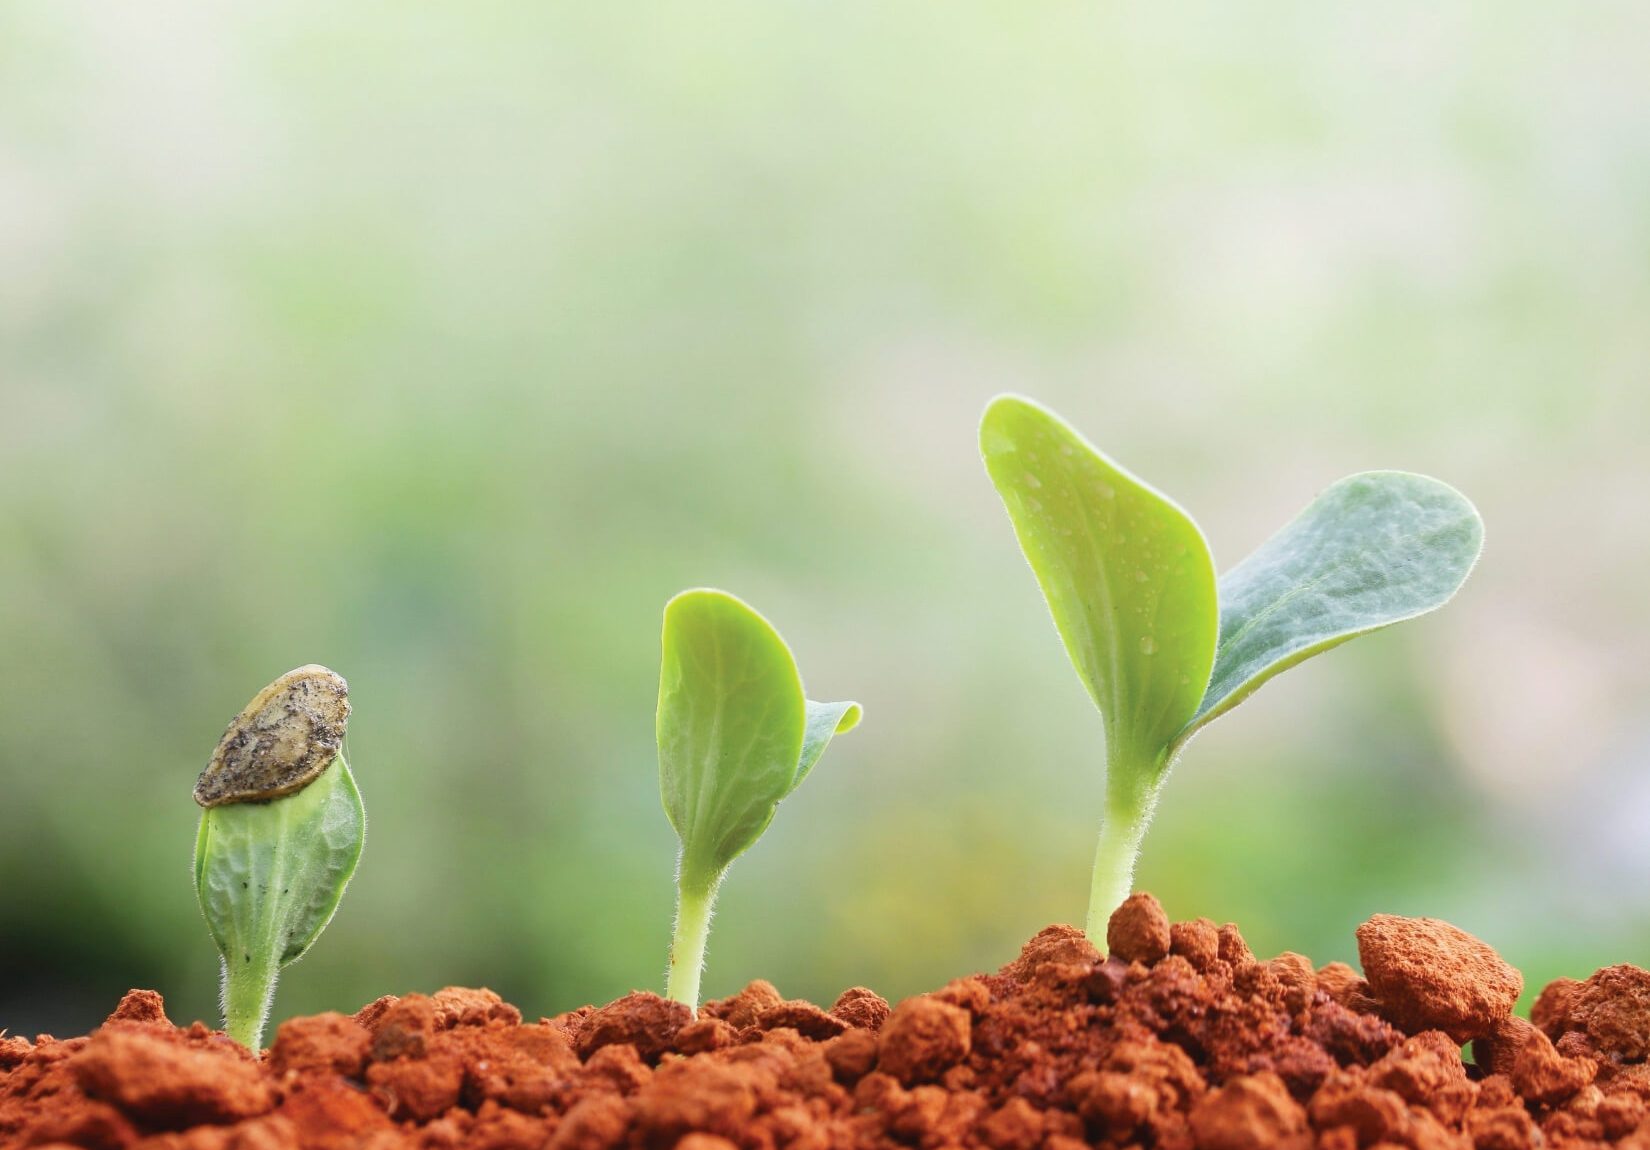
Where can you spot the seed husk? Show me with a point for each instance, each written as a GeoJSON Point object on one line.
{"type": "Point", "coordinates": [288, 734]}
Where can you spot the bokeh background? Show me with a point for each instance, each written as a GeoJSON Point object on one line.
{"type": "Point", "coordinates": [441, 344]}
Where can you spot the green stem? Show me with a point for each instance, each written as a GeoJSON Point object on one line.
{"type": "Point", "coordinates": [1128, 813]}
{"type": "Point", "coordinates": [248, 991]}
{"type": "Point", "coordinates": [694, 900]}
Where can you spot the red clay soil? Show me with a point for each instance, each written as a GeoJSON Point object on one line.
{"type": "Point", "coordinates": [1181, 1039]}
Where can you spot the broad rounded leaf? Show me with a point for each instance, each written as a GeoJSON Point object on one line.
{"type": "Point", "coordinates": [736, 735]}
{"type": "Point", "coordinates": [1374, 549]}
{"type": "Point", "coordinates": [1126, 573]}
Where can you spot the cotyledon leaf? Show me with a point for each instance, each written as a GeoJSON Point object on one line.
{"type": "Point", "coordinates": [736, 733]}
{"type": "Point", "coordinates": [1374, 549]}
{"type": "Point", "coordinates": [1126, 574]}
{"type": "Point", "coordinates": [270, 875]}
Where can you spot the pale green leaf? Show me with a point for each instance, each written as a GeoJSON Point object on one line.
{"type": "Point", "coordinates": [1126, 574]}
{"type": "Point", "coordinates": [825, 721]}
{"type": "Point", "coordinates": [736, 734]}
{"type": "Point", "coordinates": [270, 875]}
{"type": "Point", "coordinates": [1374, 549]}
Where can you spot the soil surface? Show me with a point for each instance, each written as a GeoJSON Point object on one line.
{"type": "Point", "coordinates": [1180, 1039]}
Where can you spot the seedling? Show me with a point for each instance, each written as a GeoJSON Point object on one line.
{"type": "Point", "coordinates": [736, 735]}
{"type": "Point", "coordinates": [1165, 648]}
{"type": "Point", "coordinates": [279, 837]}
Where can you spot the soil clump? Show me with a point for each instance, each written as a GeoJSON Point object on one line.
{"type": "Point", "coordinates": [1180, 1040]}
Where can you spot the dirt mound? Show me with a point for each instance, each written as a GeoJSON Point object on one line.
{"type": "Point", "coordinates": [1181, 1039]}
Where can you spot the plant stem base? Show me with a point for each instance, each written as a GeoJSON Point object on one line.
{"type": "Point", "coordinates": [694, 903]}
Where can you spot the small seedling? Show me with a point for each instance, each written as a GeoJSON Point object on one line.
{"type": "Point", "coordinates": [736, 735]}
{"type": "Point", "coordinates": [279, 837]}
{"type": "Point", "coordinates": [1165, 648]}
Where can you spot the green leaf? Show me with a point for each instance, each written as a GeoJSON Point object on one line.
{"type": "Point", "coordinates": [1126, 573]}
{"type": "Point", "coordinates": [736, 734]}
{"type": "Point", "coordinates": [270, 875]}
{"type": "Point", "coordinates": [825, 720]}
{"type": "Point", "coordinates": [1374, 549]}
{"type": "Point", "coordinates": [1130, 583]}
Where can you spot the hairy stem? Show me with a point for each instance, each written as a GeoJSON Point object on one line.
{"type": "Point", "coordinates": [248, 991]}
{"type": "Point", "coordinates": [1128, 813]}
{"type": "Point", "coordinates": [695, 898]}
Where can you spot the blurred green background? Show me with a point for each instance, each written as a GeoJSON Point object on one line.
{"type": "Point", "coordinates": [441, 344]}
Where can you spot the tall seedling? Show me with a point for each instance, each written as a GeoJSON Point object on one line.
{"type": "Point", "coordinates": [1163, 646]}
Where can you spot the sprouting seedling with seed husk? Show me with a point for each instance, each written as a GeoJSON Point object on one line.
{"type": "Point", "coordinates": [279, 837]}
{"type": "Point", "coordinates": [1164, 647]}
{"type": "Point", "coordinates": [736, 736]}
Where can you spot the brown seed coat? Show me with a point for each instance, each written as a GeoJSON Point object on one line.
{"type": "Point", "coordinates": [288, 734]}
